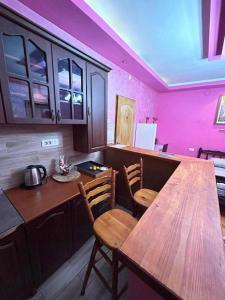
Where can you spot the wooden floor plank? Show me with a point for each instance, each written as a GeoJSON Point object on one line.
{"type": "Point", "coordinates": [66, 282]}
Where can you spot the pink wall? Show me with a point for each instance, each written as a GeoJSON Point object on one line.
{"type": "Point", "coordinates": [186, 119]}
{"type": "Point", "coordinates": [119, 82]}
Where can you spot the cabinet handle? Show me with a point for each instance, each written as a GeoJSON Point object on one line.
{"type": "Point", "coordinates": [59, 116]}
{"type": "Point", "coordinates": [52, 115]}
{"type": "Point", "coordinates": [57, 214]}
{"type": "Point", "coordinates": [8, 232]}
{"type": "Point", "coordinates": [89, 111]}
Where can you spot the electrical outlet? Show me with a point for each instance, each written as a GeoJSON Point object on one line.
{"type": "Point", "coordinates": [191, 149]}
{"type": "Point", "coordinates": [50, 142]}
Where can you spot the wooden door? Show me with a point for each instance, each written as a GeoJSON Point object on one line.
{"type": "Point", "coordinates": [82, 229]}
{"type": "Point", "coordinates": [49, 240]}
{"type": "Point", "coordinates": [70, 86]}
{"type": "Point", "coordinates": [15, 277]}
{"type": "Point", "coordinates": [125, 119]}
{"type": "Point", "coordinates": [26, 75]}
{"type": "Point", "coordinates": [2, 116]}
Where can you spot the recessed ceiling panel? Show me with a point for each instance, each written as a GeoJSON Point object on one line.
{"type": "Point", "coordinates": [166, 34]}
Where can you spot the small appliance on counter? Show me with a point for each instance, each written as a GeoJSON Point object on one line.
{"type": "Point", "coordinates": [34, 175]}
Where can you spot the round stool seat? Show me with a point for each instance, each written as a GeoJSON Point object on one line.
{"type": "Point", "coordinates": [145, 197]}
{"type": "Point", "coordinates": [113, 227]}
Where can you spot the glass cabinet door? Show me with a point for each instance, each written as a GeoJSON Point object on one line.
{"type": "Point", "coordinates": [70, 87]}
{"type": "Point", "coordinates": [27, 79]}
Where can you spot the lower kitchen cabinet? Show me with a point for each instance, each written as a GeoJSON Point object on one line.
{"type": "Point", "coordinates": [2, 117]}
{"type": "Point", "coordinates": [82, 229]}
{"type": "Point", "coordinates": [15, 279]}
{"type": "Point", "coordinates": [50, 242]}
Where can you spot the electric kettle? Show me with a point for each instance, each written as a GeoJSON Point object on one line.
{"type": "Point", "coordinates": [34, 175]}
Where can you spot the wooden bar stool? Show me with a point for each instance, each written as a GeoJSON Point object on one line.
{"type": "Point", "coordinates": [110, 229]}
{"type": "Point", "coordinates": [142, 197]}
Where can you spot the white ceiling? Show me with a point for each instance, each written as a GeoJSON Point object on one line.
{"type": "Point", "coordinates": [166, 34]}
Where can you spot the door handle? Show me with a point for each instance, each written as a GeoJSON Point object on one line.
{"type": "Point", "coordinates": [52, 115]}
{"type": "Point", "coordinates": [59, 116]}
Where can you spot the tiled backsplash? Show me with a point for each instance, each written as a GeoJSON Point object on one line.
{"type": "Point", "coordinates": [20, 146]}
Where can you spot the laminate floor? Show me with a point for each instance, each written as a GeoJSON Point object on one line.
{"type": "Point", "coordinates": [66, 282]}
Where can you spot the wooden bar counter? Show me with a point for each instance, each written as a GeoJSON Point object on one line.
{"type": "Point", "coordinates": [177, 246]}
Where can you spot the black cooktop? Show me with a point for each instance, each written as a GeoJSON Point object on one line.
{"type": "Point", "coordinates": [9, 217]}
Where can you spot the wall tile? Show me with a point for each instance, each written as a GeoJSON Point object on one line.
{"type": "Point", "coordinates": [20, 146]}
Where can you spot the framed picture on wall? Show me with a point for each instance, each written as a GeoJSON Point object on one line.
{"type": "Point", "coordinates": [220, 113]}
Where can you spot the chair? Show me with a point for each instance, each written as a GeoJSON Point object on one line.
{"type": "Point", "coordinates": [211, 153]}
{"type": "Point", "coordinates": [219, 164]}
{"type": "Point", "coordinates": [161, 148]}
{"type": "Point", "coordinates": [142, 197]}
{"type": "Point", "coordinates": [110, 229]}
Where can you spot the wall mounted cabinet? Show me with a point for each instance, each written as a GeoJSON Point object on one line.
{"type": "Point", "coordinates": [93, 136]}
{"type": "Point", "coordinates": [27, 76]}
{"type": "Point", "coordinates": [15, 277]}
{"type": "Point", "coordinates": [46, 81]}
{"type": "Point", "coordinates": [70, 86]}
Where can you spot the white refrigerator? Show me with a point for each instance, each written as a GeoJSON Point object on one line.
{"type": "Point", "coordinates": [145, 135]}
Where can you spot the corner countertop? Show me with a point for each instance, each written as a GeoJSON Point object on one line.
{"type": "Point", "coordinates": [178, 241]}
{"type": "Point", "coordinates": [32, 203]}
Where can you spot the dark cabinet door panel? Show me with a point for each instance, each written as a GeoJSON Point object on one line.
{"type": "Point", "coordinates": [15, 280]}
{"type": "Point", "coordinates": [26, 75]}
{"type": "Point", "coordinates": [70, 86]}
{"type": "Point", "coordinates": [97, 106]}
{"type": "Point", "coordinates": [2, 116]}
{"type": "Point", "coordinates": [49, 239]}
{"type": "Point", "coordinates": [82, 229]}
{"type": "Point", "coordinates": [93, 136]}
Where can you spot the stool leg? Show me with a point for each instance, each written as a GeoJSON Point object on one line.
{"type": "Point", "coordinates": [114, 275]}
{"type": "Point", "coordinates": [135, 209]}
{"type": "Point", "coordinates": [90, 265]}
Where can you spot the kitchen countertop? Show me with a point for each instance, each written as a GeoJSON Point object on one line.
{"type": "Point", "coordinates": [178, 241]}
{"type": "Point", "coordinates": [9, 217]}
{"type": "Point", "coordinates": [32, 203]}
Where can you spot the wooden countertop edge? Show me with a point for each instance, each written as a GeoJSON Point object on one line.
{"type": "Point", "coordinates": [149, 279]}
{"type": "Point", "coordinates": [33, 203]}
{"type": "Point", "coordinates": [158, 202]}
{"type": "Point", "coordinates": [156, 154]}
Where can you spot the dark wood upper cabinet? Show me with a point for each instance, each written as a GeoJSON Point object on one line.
{"type": "Point", "coordinates": [93, 136]}
{"type": "Point", "coordinates": [70, 86]}
{"type": "Point", "coordinates": [2, 116]}
{"type": "Point", "coordinates": [26, 75]}
{"type": "Point", "coordinates": [50, 242]}
{"type": "Point", "coordinates": [15, 277]}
